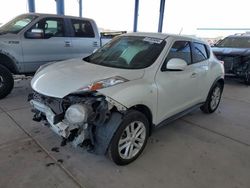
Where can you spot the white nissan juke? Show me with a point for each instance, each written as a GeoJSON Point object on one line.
{"type": "Point", "coordinates": [110, 101]}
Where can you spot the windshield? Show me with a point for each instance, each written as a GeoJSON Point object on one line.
{"type": "Point", "coordinates": [128, 52]}
{"type": "Point", "coordinates": [17, 24]}
{"type": "Point", "coordinates": [235, 42]}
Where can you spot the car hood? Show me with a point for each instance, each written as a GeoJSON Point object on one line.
{"type": "Point", "coordinates": [231, 51]}
{"type": "Point", "coordinates": [8, 36]}
{"type": "Point", "coordinates": [62, 78]}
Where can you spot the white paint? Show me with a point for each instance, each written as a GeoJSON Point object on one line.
{"type": "Point", "coordinates": [165, 93]}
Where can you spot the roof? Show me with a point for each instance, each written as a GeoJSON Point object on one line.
{"type": "Point", "coordinates": [56, 15]}
{"type": "Point", "coordinates": [163, 36]}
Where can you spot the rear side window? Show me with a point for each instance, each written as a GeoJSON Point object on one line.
{"type": "Point", "coordinates": [180, 49]}
{"type": "Point", "coordinates": [83, 29]}
{"type": "Point", "coordinates": [199, 52]}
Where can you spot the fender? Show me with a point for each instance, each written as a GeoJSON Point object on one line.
{"type": "Point", "coordinates": [10, 63]}
{"type": "Point", "coordinates": [105, 133]}
{"type": "Point", "coordinates": [132, 93]}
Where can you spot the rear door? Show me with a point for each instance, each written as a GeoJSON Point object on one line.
{"type": "Point", "coordinates": [177, 90]}
{"type": "Point", "coordinates": [200, 58]}
{"type": "Point", "coordinates": [85, 39]}
{"type": "Point", "coordinates": [53, 46]}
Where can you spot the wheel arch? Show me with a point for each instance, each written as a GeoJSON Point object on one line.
{"type": "Point", "coordinates": [147, 112]}
{"type": "Point", "coordinates": [222, 82]}
{"type": "Point", "coordinates": [219, 80]}
{"type": "Point", "coordinates": [8, 62]}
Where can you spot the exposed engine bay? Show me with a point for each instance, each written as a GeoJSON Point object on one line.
{"type": "Point", "coordinates": [87, 120]}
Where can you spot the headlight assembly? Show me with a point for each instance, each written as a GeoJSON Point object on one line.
{"type": "Point", "coordinates": [104, 83]}
{"type": "Point", "coordinates": [77, 114]}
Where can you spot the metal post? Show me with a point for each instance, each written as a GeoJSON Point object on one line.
{"type": "Point", "coordinates": [80, 8]}
{"type": "Point", "coordinates": [60, 7]}
{"type": "Point", "coordinates": [31, 5]}
{"type": "Point", "coordinates": [161, 17]}
{"type": "Point", "coordinates": [136, 15]}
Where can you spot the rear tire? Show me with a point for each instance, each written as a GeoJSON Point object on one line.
{"type": "Point", "coordinates": [247, 78]}
{"type": "Point", "coordinates": [213, 99]}
{"type": "Point", "coordinates": [130, 138]}
{"type": "Point", "coordinates": [6, 82]}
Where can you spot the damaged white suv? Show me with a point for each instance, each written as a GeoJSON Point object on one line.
{"type": "Point", "coordinates": [110, 101]}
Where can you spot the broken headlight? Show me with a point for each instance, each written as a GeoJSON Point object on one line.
{"type": "Point", "coordinates": [77, 114]}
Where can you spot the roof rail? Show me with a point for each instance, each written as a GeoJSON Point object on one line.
{"type": "Point", "coordinates": [243, 34]}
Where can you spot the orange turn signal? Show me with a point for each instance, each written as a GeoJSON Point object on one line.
{"type": "Point", "coordinates": [96, 86]}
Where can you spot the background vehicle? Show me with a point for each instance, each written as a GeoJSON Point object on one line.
{"type": "Point", "coordinates": [234, 50]}
{"type": "Point", "coordinates": [31, 40]}
{"type": "Point", "coordinates": [111, 100]}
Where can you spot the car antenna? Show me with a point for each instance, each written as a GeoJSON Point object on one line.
{"type": "Point", "coordinates": [181, 31]}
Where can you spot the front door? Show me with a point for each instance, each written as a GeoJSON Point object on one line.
{"type": "Point", "coordinates": [177, 90]}
{"type": "Point", "coordinates": [53, 46]}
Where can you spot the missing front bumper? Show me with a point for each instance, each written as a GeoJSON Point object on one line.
{"type": "Point", "coordinates": [60, 128]}
{"type": "Point", "coordinates": [96, 133]}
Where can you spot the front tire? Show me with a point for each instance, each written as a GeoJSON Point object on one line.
{"type": "Point", "coordinates": [213, 99]}
{"type": "Point", "coordinates": [6, 82]}
{"type": "Point", "coordinates": [130, 138]}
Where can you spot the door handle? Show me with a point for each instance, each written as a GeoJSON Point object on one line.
{"type": "Point", "coordinates": [193, 75]}
{"type": "Point", "coordinates": [67, 44]}
{"type": "Point", "coordinates": [95, 44]}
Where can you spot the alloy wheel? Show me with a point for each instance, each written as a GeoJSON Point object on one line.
{"type": "Point", "coordinates": [1, 81]}
{"type": "Point", "coordinates": [132, 140]}
{"type": "Point", "coordinates": [215, 99]}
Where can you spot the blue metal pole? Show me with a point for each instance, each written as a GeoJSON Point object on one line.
{"type": "Point", "coordinates": [31, 5]}
{"type": "Point", "coordinates": [136, 15]}
{"type": "Point", "coordinates": [161, 17]}
{"type": "Point", "coordinates": [60, 7]}
{"type": "Point", "coordinates": [80, 8]}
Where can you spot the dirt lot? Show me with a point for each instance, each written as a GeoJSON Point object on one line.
{"type": "Point", "coordinates": [197, 151]}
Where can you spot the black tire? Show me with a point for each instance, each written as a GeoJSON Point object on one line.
{"type": "Point", "coordinates": [207, 107]}
{"type": "Point", "coordinates": [6, 82]}
{"type": "Point", "coordinates": [247, 78]}
{"type": "Point", "coordinates": [129, 118]}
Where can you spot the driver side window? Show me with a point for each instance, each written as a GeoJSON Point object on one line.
{"type": "Point", "coordinates": [52, 27]}
{"type": "Point", "coordinates": [182, 50]}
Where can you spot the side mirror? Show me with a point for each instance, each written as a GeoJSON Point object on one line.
{"type": "Point", "coordinates": [176, 64]}
{"type": "Point", "coordinates": [35, 34]}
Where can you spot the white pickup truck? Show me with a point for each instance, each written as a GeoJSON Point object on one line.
{"type": "Point", "coordinates": [31, 40]}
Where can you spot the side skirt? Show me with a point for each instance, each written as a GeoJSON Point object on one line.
{"type": "Point", "coordinates": [178, 115]}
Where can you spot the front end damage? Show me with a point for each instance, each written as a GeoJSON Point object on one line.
{"type": "Point", "coordinates": [87, 120]}
{"type": "Point", "coordinates": [236, 62]}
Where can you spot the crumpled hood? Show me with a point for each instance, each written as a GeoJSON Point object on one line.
{"type": "Point", "coordinates": [62, 78]}
{"type": "Point", "coordinates": [231, 51]}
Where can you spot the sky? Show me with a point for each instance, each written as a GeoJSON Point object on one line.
{"type": "Point", "coordinates": [183, 16]}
